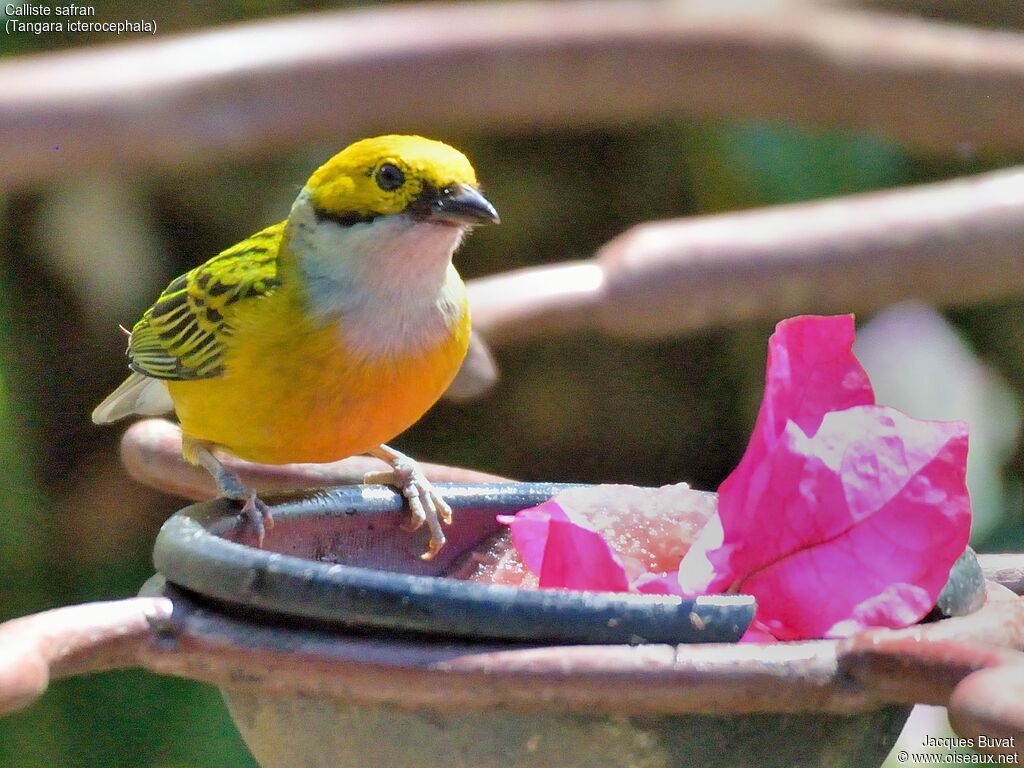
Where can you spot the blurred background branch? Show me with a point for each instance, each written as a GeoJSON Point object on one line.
{"type": "Point", "coordinates": [952, 243]}
{"type": "Point", "coordinates": [243, 89]}
{"type": "Point", "coordinates": [627, 292]}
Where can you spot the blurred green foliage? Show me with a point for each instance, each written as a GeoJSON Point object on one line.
{"type": "Point", "coordinates": [583, 408]}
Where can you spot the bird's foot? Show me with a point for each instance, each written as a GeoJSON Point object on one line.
{"type": "Point", "coordinates": [426, 504]}
{"type": "Point", "coordinates": [256, 512]}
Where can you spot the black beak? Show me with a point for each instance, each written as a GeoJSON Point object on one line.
{"type": "Point", "coordinates": [458, 204]}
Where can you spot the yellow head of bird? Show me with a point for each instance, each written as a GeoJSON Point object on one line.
{"type": "Point", "coordinates": [391, 175]}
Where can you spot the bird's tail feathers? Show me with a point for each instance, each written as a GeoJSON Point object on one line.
{"type": "Point", "coordinates": [137, 395]}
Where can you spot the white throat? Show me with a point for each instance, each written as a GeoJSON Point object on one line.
{"type": "Point", "coordinates": [389, 284]}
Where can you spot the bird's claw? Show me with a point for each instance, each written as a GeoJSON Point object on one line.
{"type": "Point", "coordinates": [426, 506]}
{"type": "Point", "coordinates": [256, 512]}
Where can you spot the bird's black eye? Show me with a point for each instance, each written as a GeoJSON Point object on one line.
{"type": "Point", "coordinates": [389, 177]}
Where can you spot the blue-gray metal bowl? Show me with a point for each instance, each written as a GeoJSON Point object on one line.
{"type": "Point", "coordinates": [341, 557]}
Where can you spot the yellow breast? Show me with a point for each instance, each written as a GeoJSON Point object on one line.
{"type": "Point", "coordinates": [294, 390]}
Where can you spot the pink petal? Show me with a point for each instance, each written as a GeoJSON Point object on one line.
{"type": "Point", "coordinates": [899, 605]}
{"type": "Point", "coordinates": [564, 554]}
{"type": "Point", "coordinates": [697, 574]}
{"type": "Point", "coordinates": [643, 533]}
{"type": "Point", "coordinates": [860, 527]}
{"type": "Point", "coordinates": [658, 584]}
{"type": "Point", "coordinates": [758, 633]}
{"type": "Point", "coordinates": [811, 371]}
{"type": "Point", "coordinates": [841, 515]}
{"type": "Point", "coordinates": [529, 529]}
{"type": "Point", "coordinates": [650, 528]}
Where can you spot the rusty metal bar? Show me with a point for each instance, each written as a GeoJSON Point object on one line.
{"type": "Point", "coordinates": [186, 99]}
{"type": "Point", "coordinates": [950, 243]}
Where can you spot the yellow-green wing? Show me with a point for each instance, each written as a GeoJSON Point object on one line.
{"type": "Point", "coordinates": [182, 335]}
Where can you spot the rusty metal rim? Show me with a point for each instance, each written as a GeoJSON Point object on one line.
{"type": "Point", "coordinates": [921, 664]}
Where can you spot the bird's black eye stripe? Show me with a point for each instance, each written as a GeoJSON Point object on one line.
{"type": "Point", "coordinates": [343, 219]}
{"type": "Point", "coordinates": [389, 177]}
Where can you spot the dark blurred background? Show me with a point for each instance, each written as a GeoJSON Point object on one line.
{"type": "Point", "coordinates": [79, 255]}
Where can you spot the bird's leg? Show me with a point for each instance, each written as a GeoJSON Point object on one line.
{"type": "Point", "coordinates": [425, 502]}
{"type": "Point", "coordinates": [230, 486]}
